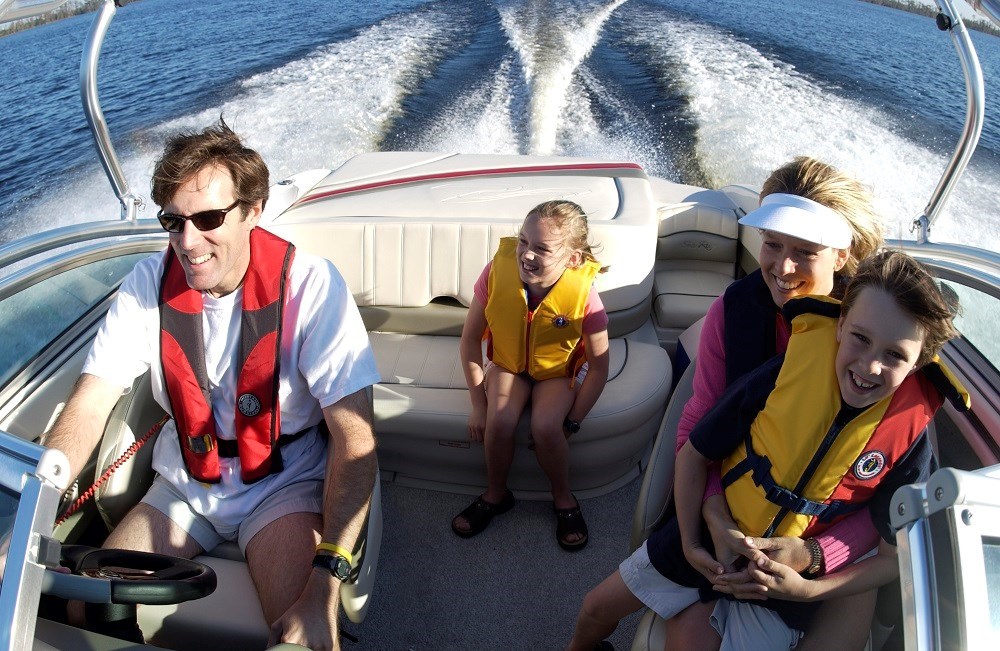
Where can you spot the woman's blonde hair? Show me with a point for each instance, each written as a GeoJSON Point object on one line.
{"type": "Point", "coordinates": [570, 218]}
{"type": "Point", "coordinates": [825, 184]}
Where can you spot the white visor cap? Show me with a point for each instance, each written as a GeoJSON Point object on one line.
{"type": "Point", "coordinates": [790, 214]}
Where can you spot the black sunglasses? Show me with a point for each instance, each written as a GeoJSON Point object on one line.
{"type": "Point", "coordinates": [206, 220]}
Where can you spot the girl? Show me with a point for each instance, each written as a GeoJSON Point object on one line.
{"type": "Point", "coordinates": [547, 341]}
{"type": "Point", "coordinates": [836, 424]}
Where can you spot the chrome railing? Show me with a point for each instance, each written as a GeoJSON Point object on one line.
{"type": "Point", "coordinates": [10, 10]}
{"type": "Point", "coordinates": [95, 116]}
{"type": "Point", "coordinates": [975, 101]}
{"type": "Point", "coordinates": [988, 8]}
{"type": "Point", "coordinates": [27, 247]}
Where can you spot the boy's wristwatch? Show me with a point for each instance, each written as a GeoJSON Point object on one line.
{"type": "Point", "coordinates": [336, 564]}
{"type": "Point", "coordinates": [572, 426]}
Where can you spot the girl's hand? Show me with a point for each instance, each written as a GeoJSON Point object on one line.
{"type": "Point", "coordinates": [477, 424]}
{"type": "Point", "coordinates": [701, 560]}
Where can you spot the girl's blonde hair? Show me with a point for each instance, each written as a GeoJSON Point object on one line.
{"type": "Point", "coordinates": [825, 184]}
{"type": "Point", "coordinates": [570, 218]}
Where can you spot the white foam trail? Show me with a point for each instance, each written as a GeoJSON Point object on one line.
{"type": "Point", "coordinates": [479, 121]}
{"type": "Point", "coordinates": [314, 112]}
{"type": "Point", "coordinates": [551, 43]}
{"type": "Point", "coordinates": [755, 114]}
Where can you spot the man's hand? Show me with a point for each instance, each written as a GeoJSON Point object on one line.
{"type": "Point", "coordinates": [312, 620]}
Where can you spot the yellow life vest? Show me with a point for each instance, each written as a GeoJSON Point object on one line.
{"type": "Point", "coordinates": [546, 343]}
{"type": "Point", "coordinates": [798, 470]}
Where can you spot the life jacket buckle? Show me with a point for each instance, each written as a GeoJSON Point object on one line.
{"type": "Point", "coordinates": [200, 444]}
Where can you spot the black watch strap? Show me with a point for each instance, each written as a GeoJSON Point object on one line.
{"type": "Point", "coordinates": [335, 564]}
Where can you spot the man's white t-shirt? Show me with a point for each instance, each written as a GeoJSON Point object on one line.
{"type": "Point", "coordinates": [325, 356]}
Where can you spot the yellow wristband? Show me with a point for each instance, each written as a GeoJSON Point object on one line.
{"type": "Point", "coordinates": [336, 549]}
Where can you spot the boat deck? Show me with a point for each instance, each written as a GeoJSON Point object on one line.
{"type": "Point", "coordinates": [510, 587]}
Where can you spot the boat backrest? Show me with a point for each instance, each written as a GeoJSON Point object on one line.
{"type": "Point", "coordinates": [696, 254]}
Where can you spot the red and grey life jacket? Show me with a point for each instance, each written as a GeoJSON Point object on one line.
{"type": "Point", "coordinates": [182, 355]}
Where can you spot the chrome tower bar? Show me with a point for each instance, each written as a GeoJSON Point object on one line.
{"type": "Point", "coordinates": [95, 116]}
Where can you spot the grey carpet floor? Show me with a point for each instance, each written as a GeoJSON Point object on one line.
{"type": "Point", "coordinates": [510, 587]}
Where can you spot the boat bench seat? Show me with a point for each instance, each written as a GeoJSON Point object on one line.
{"type": "Point", "coordinates": [412, 280]}
{"type": "Point", "coordinates": [696, 254]}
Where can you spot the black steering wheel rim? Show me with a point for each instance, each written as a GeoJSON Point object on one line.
{"type": "Point", "coordinates": [141, 577]}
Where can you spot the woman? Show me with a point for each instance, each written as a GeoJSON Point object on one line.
{"type": "Point", "coordinates": [742, 330]}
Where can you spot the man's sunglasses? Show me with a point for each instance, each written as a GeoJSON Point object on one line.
{"type": "Point", "coordinates": [206, 220]}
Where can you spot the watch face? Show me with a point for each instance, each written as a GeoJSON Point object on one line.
{"type": "Point", "coordinates": [341, 568]}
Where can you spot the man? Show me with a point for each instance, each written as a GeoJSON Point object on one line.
{"type": "Point", "coordinates": [226, 309]}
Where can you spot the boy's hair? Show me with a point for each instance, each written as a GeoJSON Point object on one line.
{"type": "Point", "coordinates": [186, 154]}
{"type": "Point", "coordinates": [571, 220]}
{"type": "Point", "coordinates": [825, 184]}
{"type": "Point", "coordinates": [915, 292]}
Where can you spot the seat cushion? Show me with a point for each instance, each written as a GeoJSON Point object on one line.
{"type": "Point", "coordinates": [682, 296]}
{"type": "Point", "coordinates": [422, 408]}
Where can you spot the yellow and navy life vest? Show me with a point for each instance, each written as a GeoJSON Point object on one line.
{"type": "Point", "coordinates": [792, 480]}
{"type": "Point", "coordinates": [182, 355]}
{"type": "Point", "coordinates": [545, 343]}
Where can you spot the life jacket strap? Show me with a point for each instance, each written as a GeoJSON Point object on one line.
{"type": "Point", "coordinates": [759, 467]}
{"type": "Point", "coordinates": [229, 448]}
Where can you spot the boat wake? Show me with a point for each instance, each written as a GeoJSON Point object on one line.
{"type": "Point", "coordinates": [754, 113]}
{"type": "Point", "coordinates": [595, 78]}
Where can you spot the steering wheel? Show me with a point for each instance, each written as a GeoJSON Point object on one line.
{"type": "Point", "coordinates": [118, 576]}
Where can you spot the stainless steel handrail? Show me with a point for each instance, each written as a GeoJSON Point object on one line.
{"type": "Point", "coordinates": [972, 267]}
{"type": "Point", "coordinates": [40, 242]}
{"type": "Point", "coordinates": [975, 100]}
{"type": "Point", "coordinates": [95, 116]}
{"type": "Point", "coordinates": [988, 8]}
{"type": "Point", "coordinates": [17, 13]}
{"type": "Point", "coordinates": [55, 265]}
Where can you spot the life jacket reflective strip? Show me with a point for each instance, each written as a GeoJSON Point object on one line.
{"type": "Point", "coordinates": [546, 343]}
{"type": "Point", "coordinates": [859, 455]}
{"type": "Point", "coordinates": [182, 354]}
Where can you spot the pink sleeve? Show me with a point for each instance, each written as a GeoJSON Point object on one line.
{"type": "Point", "coordinates": [595, 318]}
{"type": "Point", "coordinates": [481, 289]}
{"type": "Point", "coordinates": [709, 385]}
{"type": "Point", "coordinates": [848, 540]}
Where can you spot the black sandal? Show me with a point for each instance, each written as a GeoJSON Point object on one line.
{"type": "Point", "coordinates": [570, 521]}
{"type": "Point", "coordinates": [479, 513]}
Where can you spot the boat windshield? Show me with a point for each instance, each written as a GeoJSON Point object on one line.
{"type": "Point", "coordinates": [54, 305]}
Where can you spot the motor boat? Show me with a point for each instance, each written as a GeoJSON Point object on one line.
{"type": "Point", "coordinates": [410, 232]}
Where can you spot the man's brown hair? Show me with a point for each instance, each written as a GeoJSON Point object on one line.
{"type": "Point", "coordinates": [186, 154]}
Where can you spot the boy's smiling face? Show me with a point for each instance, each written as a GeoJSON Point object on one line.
{"type": "Point", "coordinates": [879, 348]}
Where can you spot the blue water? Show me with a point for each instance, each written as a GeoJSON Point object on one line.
{"type": "Point", "coordinates": [701, 92]}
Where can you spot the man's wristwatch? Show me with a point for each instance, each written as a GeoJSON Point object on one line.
{"type": "Point", "coordinates": [815, 559]}
{"type": "Point", "coordinates": [336, 564]}
{"type": "Point", "coordinates": [572, 426]}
